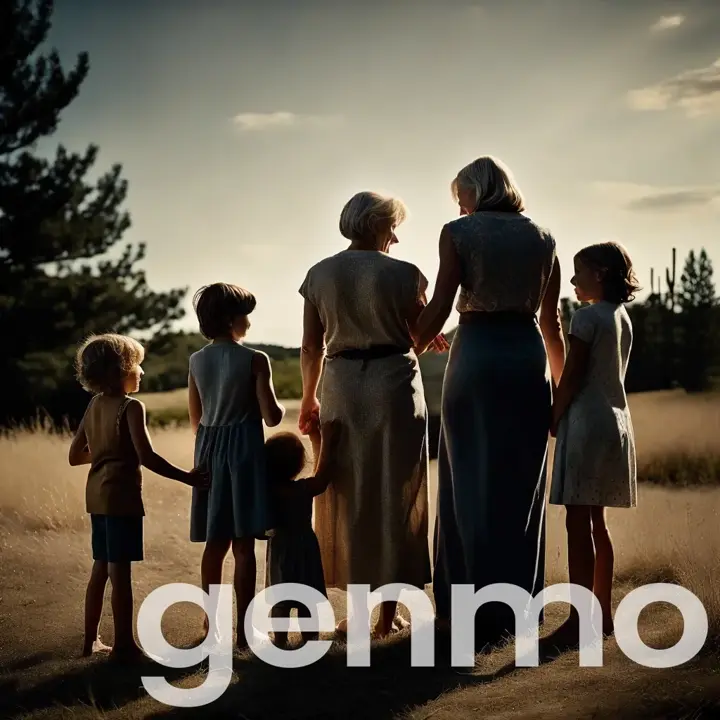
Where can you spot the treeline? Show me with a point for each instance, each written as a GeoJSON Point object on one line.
{"type": "Point", "coordinates": [676, 340]}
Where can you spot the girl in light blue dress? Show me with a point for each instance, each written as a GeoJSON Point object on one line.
{"type": "Point", "coordinates": [230, 394]}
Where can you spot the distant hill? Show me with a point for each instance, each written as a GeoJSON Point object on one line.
{"type": "Point", "coordinates": [166, 365]}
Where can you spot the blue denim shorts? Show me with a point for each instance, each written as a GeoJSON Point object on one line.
{"type": "Point", "coordinates": [116, 538]}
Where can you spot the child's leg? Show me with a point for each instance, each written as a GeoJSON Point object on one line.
{"type": "Point", "coordinates": [581, 565]}
{"type": "Point", "coordinates": [125, 546]}
{"type": "Point", "coordinates": [122, 606]}
{"type": "Point", "coordinates": [94, 596]}
{"type": "Point", "coordinates": [280, 637]}
{"type": "Point", "coordinates": [604, 564]}
{"type": "Point", "coordinates": [245, 579]}
{"type": "Point", "coordinates": [211, 569]}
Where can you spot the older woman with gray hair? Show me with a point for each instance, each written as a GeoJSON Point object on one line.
{"type": "Point", "coordinates": [361, 306]}
{"type": "Point", "coordinates": [497, 392]}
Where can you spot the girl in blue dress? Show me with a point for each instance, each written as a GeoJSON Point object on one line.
{"type": "Point", "coordinates": [230, 394]}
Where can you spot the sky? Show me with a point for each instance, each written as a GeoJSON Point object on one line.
{"type": "Point", "coordinates": [243, 127]}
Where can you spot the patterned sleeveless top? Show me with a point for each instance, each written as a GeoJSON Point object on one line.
{"type": "Point", "coordinates": [114, 484]}
{"type": "Point", "coordinates": [505, 259]}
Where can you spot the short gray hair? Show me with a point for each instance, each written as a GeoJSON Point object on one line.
{"type": "Point", "coordinates": [366, 212]}
{"type": "Point", "coordinates": [493, 184]}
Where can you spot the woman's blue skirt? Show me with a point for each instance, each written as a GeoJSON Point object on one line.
{"type": "Point", "coordinates": [492, 468]}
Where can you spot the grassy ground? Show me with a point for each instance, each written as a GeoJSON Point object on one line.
{"type": "Point", "coordinates": [673, 535]}
{"type": "Point", "coordinates": [674, 432]}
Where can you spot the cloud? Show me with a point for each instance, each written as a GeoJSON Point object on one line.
{"type": "Point", "coordinates": [697, 92]}
{"type": "Point", "coordinates": [675, 200]}
{"type": "Point", "coordinates": [667, 22]}
{"type": "Point", "coordinates": [649, 198]}
{"type": "Point", "coordinates": [257, 122]}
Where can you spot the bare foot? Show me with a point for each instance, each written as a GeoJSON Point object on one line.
{"type": "Point", "coordinates": [401, 623]}
{"type": "Point", "coordinates": [96, 646]}
{"type": "Point", "coordinates": [381, 631]}
{"type": "Point", "coordinates": [342, 627]}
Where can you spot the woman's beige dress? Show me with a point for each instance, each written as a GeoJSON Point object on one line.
{"type": "Point", "coordinates": [372, 521]}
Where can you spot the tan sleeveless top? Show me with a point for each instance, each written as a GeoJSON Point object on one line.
{"type": "Point", "coordinates": [114, 485]}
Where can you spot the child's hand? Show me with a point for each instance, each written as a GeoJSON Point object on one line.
{"type": "Point", "coordinates": [439, 344]}
{"type": "Point", "coordinates": [309, 411]}
{"type": "Point", "coordinates": [313, 427]}
{"type": "Point", "coordinates": [199, 478]}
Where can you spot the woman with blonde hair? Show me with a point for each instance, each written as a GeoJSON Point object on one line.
{"type": "Point", "coordinates": [361, 306]}
{"type": "Point", "coordinates": [496, 406]}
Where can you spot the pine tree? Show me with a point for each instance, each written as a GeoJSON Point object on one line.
{"type": "Point", "coordinates": [57, 283]}
{"type": "Point", "coordinates": [698, 304]}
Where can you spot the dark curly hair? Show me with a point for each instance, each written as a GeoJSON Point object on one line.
{"type": "Point", "coordinates": [217, 306]}
{"type": "Point", "coordinates": [619, 281]}
{"type": "Point", "coordinates": [285, 456]}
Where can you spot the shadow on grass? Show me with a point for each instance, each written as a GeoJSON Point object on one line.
{"type": "Point", "coordinates": [325, 689]}
{"type": "Point", "coordinates": [26, 663]}
{"type": "Point", "coordinates": [96, 682]}
{"type": "Point", "coordinates": [330, 689]}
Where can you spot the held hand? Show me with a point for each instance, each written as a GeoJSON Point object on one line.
{"type": "Point", "coordinates": [198, 478]}
{"type": "Point", "coordinates": [309, 413]}
{"type": "Point", "coordinates": [439, 344]}
{"type": "Point", "coordinates": [314, 428]}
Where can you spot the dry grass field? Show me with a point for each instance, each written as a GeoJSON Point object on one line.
{"type": "Point", "coordinates": [674, 535]}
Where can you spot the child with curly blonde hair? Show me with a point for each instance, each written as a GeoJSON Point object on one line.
{"type": "Point", "coordinates": [113, 439]}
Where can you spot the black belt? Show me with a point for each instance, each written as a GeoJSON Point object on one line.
{"type": "Point", "coordinates": [501, 317]}
{"type": "Point", "coordinates": [375, 352]}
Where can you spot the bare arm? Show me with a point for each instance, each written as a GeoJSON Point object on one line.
{"type": "Point", "coordinates": [325, 446]}
{"type": "Point", "coordinates": [433, 317]}
{"type": "Point", "coordinates": [551, 325]}
{"type": "Point", "coordinates": [194, 404]}
{"type": "Point", "coordinates": [573, 376]}
{"type": "Point", "coordinates": [143, 446]}
{"type": "Point", "coordinates": [272, 411]}
{"type": "Point", "coordinates": [414, 315]}
{"type": "Point", "coordinates": [79, 453]}
{"type": "Point", "coordinates": [312, 355]}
